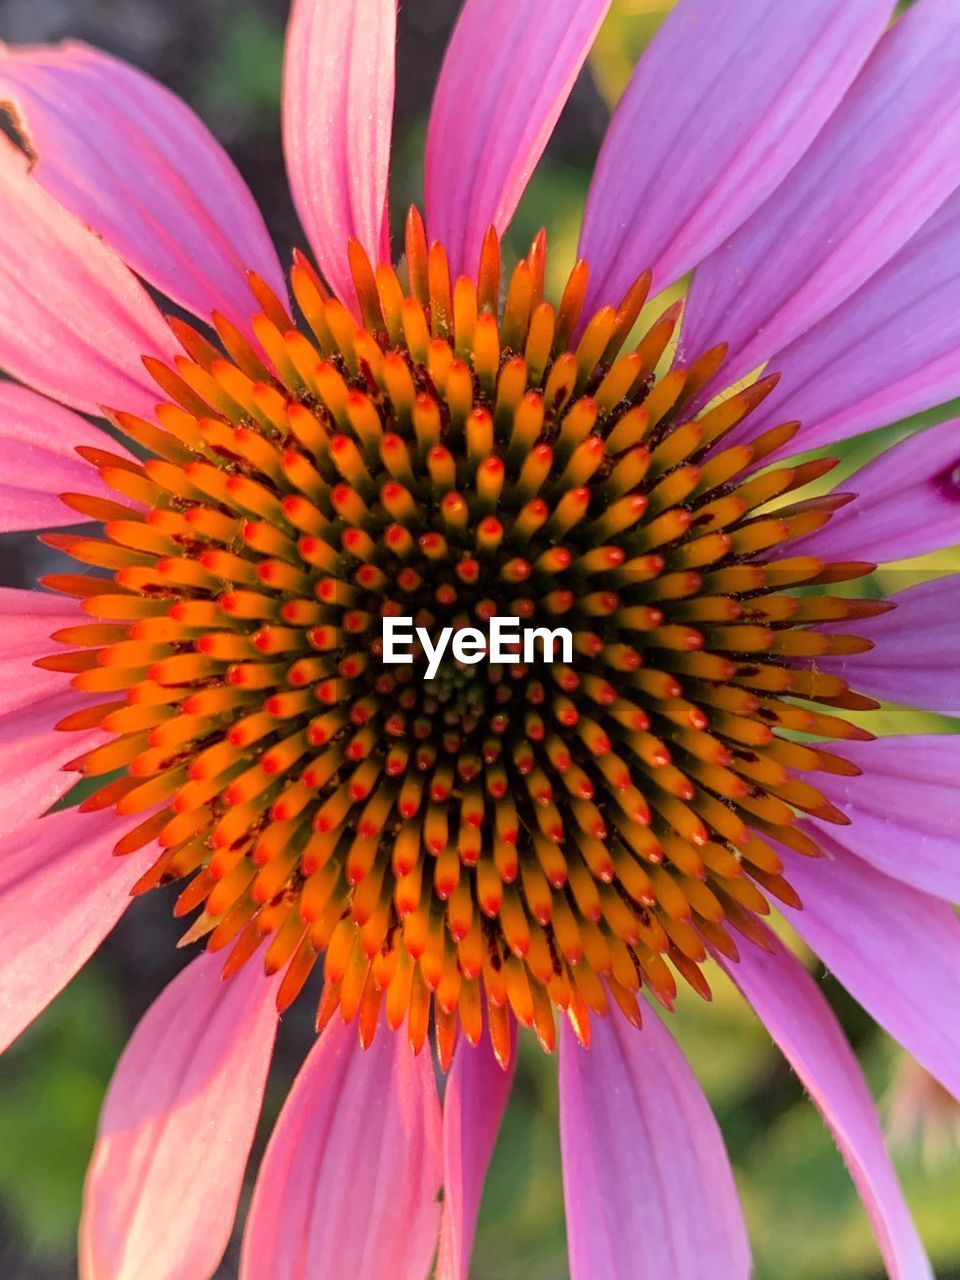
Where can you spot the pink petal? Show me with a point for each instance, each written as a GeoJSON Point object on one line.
{"type": "Point", "coordinates": [883, 163]}
{"type": "Point", "coordinates": [176, 1128]}
{"type": "Point", "coordinates": [721, 106]}
{"type": "Point", "coordinates": [890, 350]}
{"type": "Point", "coordinates": [126, 157]}
{"type": "Point", "coordinates": [39, 439]}
{"type": "Point", "coordinates": [853, 915]}
{"type": "Point", "coordinates": [74, 322]}
{"type": "Point", "coordinates": [350, 1182]}
{"type": "Point", "coordinates": [337, 122]}
{"type": "Point", "coordinates": [916, 660]}
{"type": "Point", "coordinates": [646, 1180]}
{"type": "Point", "coordinates": [791, 1007]}
{"type": "Point", "coordinates": [473, 1106]}
{"type": "Point", "coordinates": [27, 619]}
{"type": "Point", "coordinates": [61, 892]}
{"type": "Point", "coordinates": [32, 755]}
{"type": "Point", "coordinates": [507, 73]}
{"type": "Point", "coordinates": [904, 808]}
{"type": "Point", "coordinates": [908, 503]}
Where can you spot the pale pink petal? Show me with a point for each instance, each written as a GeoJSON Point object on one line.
{"type": "Point", "coordinates": [646, 1179]}
{"type": "Point", "coordinates": [337, 123]}
{"type": "Point", "coordinates": [908, 502]}
{"type": "Point", "coordinates": [904, 808]}
{"type": "Point", "coordinates": [883, 163]}
{"type": "Point", "coordinates": [890, 350]}
{"type": "Point", "coordinates": [350, 1182]}
{"type": "Point", "coordinates": [792, 1008]}
{"type": "Point", "coordinates": [39, 438]}
{"type": "Point", "coordinates": [176, 1128]}
{"type": "Point", "coordinates": [61, 892]}
{"type": "Point", "coordinates": [895, 949]}
{"type": "Point", "coordinates": [74, 322]}
{"type": "Point", "coordinates": [473, 1105]}
{"type": "Point", "coordinates": [721, 106]}
{"type": "Point", "coordinates": [507, 73]}
{"type": "Point", "coordinates": [127, 158]}
{"type": "Point", "coordinates": [33, 753]}
{"type": "Point", "coordinates": [916, 659]}
{"type": "Point", "coordinates": [27, 620]}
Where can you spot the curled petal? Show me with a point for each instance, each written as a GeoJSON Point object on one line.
{"type": "Point", "coordinates": [721, 106]}
{"type": "Point", "coordinates": [337, 124]}
{"type": "Point", "coordinates": [473, 1105]}
{"type": "Point", "coordinates": [61, 892]}
{"type": "Point", "coordinates": [126, 157]}
{"type": "Point", "coordinates": [74, 322]}
{"type": "Point", "coordinates": [350, 1182]}
{"type": "Point", "coordinates": [176, 1128]}
{"type": "Point", "coordinates": [489, 124]}
{"type": "Point", "coordinates": [642, 1150]}
{"type": "Point", "coordinates": [790, 1005]}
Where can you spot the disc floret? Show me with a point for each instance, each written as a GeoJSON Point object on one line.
{"type": "Point", "coordinates": [512, 840]}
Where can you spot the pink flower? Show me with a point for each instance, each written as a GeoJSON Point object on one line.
{"type": "Point", "coordinates": [483, 851]}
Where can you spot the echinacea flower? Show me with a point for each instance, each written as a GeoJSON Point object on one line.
{"type": "Point", "coordinates": [538, 846]}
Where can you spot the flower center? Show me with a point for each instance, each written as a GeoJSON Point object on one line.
{"type": "Point", "coordinates": [498, 838]}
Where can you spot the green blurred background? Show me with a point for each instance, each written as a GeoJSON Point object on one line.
{"type": "Point", "coordinates": [806, 1223]}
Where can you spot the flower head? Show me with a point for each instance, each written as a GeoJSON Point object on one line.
{"type": "Point", "coordinates": [484, 842]}
{"type": "Point", "coordinates": [440, 440]}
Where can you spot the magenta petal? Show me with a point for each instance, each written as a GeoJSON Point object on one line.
{"type": "Point", "coordinates": [720, 107]}
{"type": "Point", "coordinates": [890, 350]}
{"type": "Point", "coordinates": [852, 914]}
{"type": "Point", "coordinates": [337, 123]}
{"type": "Point", "coordinates": [646, 1179]}
{"type": "Point", "coordinates": [39, 440]}
{"type": "Point", "coordinates": [473, 1106]}
{"type": "Point", "coordinates": [916, 659]}
{"type": "Point", "coordinates": [904, 809]}
{"type": "Point", "coordinates": [176, 1128]}
{"type": "Point", "coordinates": [883, 163]}
{"type": "Point", "coordinates": [126, 157]}
{"type": "Point", "coordinates": [350, 1182]}
{"type": "Point", "coordinates": [908, 502]}
{"type": "Point", "coordinates": [32, 755]}
{"type": "Point", "coordinates": [507, 73]}
{"type": "Point", "coordinates": [792, 1008]}
{"type": "Point", "coordinates": [61, 892]}
{"type": "Point", "coordinates": [63, 291]}
{"type": "Point", "coordinates": [27, 619]}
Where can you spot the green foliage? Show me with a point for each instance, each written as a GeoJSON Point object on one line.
{"type": "Point", "coordinates": [244, 74]}
{"type": "Point", "coordinates": [51, 1088]}
{"type": "Point", "coordinates": [629, 28]}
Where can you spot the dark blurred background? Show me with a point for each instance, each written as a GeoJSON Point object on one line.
{"type": "Point", "coordinates": [224, 57]}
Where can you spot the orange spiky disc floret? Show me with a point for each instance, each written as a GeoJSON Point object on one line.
{"type": "Point", "coordinates": [497, 841]}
